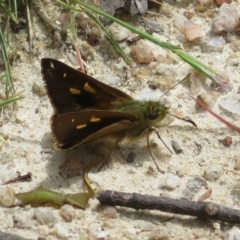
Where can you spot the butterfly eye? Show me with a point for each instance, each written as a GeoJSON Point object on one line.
{"type": "Point", "coordinates": [152, 115]}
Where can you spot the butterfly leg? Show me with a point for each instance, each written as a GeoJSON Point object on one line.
{"type": "Point", "coordinates": [148, 145]}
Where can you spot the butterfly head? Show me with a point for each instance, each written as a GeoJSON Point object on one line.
{"type": "Point", "coordinates": [157, 111]}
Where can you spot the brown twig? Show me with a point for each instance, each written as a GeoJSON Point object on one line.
{"type": "Point", "coordinates": [202, 210]}
{"type": "Point", "coordinates": [20, 178]}
{"type": "Point", "coordinates": [205, 107]}
{"type": "Point", "coordinates": [39, 8]}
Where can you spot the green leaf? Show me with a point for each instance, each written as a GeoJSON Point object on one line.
{"type": "Point", "coordinates": [43, 196]}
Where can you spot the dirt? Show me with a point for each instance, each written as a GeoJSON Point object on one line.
{"type": "Point", "coordinates": [30, 144]}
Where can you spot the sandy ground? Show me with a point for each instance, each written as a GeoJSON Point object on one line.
{"type": "Point", "coordinates": [30, 148]}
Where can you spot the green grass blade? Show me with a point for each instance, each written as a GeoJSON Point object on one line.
{"type": "Point", "coordinates": [9, 101]}
{"type": "Point", "coordinates": [9, 83]}
{"type": "Point", "coordinates": [13, 16]}
{"type": "Point", "coordinates": [206, 70]}
{"type": "Point", "coordinates": [112, 40]}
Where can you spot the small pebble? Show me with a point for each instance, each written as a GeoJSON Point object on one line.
{"type": "Point", "coordinates": [131, 230]}
{"type": "Point", "coordinates": [205, 2]}
{"type": "Point", "coordinates": [166, 70]}
{"type": "Point", "coordinates": [110, 212]}
{"type": "Point", "coordinates": [86, 51]}
{"type": "Point", "coordinates": [221, 2]}
{"type": "Point", "coordinates": [189, 15]}
{"type": "Point", "coordinates": [160, 234]}
{"type": "Point", "coordinates": [237, 162]}
{"type": "Point", "coordinates": [21, 117]}
{"type": "Point", "coordinates": [43, 230]}
{"type": "Point", "coordinates": [227, 18]}
{"type": "Point", "coordinates": [45, 216]}
{"type": "Point", "coordinates": [145, 225]}
{"type": "Point", "coordinates": [142, 53]}
{"type": "Point", "coordinates": [179, 20]}
{"type": "Point", "coordinates": [153, 66]}
{"type": "Point", "coordinates": [213, 172]}
{"type": "Point", "coordinates": [23, 221]}
{"type": "Point", "coordinates": [131, 156]}
{"type": "Point", "coordinates": [118, 32]}
{"type": "Point", "coordinates": [120, 65]}
{"type": "Point", "coordinates": [39, 89]}
{"type": "Point", "coordinates": [152, 26]}
{"type": "Point", "coordinates": [88, 25]}
{"type": "Point", "coordinates": [67, 212]}
{"type": "Point", "coordinates": [196, 79]}
{"type": "Point", "coordinates": [172, 181]}
{"type": "Point", "coordinates": [133, 85]}
{"type": "Point", "coordinates": [4, 129]}
{"type": "Point", "coordinates": [232, 234]}
{"type": "Point", "coordinates": [92, 40]}
{"type": "Point", "coordinates": [235, 44]}
{"type": "Point", "coordinates": [181, 170]}
{"type": "Point", "coordinates": [214, 44]}
{"type": "Point", "coordinates": [112, 80]}
{"type": "Point", "coordinates": [102, 234]}
{"type": "Point", "coordinates": [231, 104]}
{"type": "Point", "coordinates": [162, 152]}
{"type": "Point", "coordinates": [199, 233]}
{"type": "Point", "coordinates": [61, 231]}
{"type": "Point", "coordinates": [191, 31]}
{"type": "Point", "coordinates": [227, 141]}
{"type": "Point", "coordinates": [7, 197]}
{"type": "Point", "coordinates": [209, 98]}
{"type": "Point", "coordinates": [176, 147]}
{"type": "Point", "coordinates": [194, 185]}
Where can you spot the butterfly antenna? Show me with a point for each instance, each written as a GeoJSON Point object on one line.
{"type": "Point", "coordinates": [176, 85]}
{"type": "Point", "coordinates": [184, 119]}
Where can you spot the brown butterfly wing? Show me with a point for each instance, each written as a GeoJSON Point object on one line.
{"type": "Point", "coordinates": [74, 128]}
{"type": "Point", "coordinates": [71, 90]}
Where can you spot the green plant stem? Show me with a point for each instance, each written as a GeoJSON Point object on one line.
{"type": "Point", "coordinates": [9, 82]}
{"type": "Point", "coordinates": [175, 49]}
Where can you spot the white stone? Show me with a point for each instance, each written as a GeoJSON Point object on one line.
{"type": "Point", "coordinates": [4, 129]}
{"type": "Point", "coordinates": [21, 117]}
{"type": "Point", "coordinates": [213, 172]}
{"type": "Point", "coordinates": [233, 234]}
{"type": "Point", "coordinates": [7, 197]}
{"type": "Point", "coordinates": [118, 32]}
{"type": "Point", "coordinates": [61, 231]}
{"type": "Point", "coordinates": [172, 181]}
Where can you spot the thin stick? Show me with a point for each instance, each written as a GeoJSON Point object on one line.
{"type": "Point", "coordinates": [202, 210]}
{"type": "Point", "coordinates": [30, 28]}
{"type": "Point", "coordinates": [38, 6]}
{"type": "Point", "coordinates": [75, 40]}
{"type": "Point", "coordinates": [20, 178]}
{"type": "Point", "coordinates": [205, 107]}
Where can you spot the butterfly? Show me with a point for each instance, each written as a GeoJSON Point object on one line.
{"type": "Point", "coordinates": [86, 109]}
